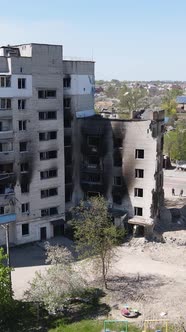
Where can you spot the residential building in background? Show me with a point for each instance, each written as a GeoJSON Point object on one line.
{"type": "Point", "coordinates": [181, 104]}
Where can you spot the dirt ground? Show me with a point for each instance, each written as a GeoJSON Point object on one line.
{"type": "Point", "coordinates": [149, 276]}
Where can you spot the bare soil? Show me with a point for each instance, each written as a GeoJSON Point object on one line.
{"type": "Point", "coordinates": [149, 276]}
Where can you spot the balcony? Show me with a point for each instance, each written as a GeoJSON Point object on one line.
{"type": "Point", "coordinates": [5, 113]}
{"type": "Point", "coordinates": [8, 203]}
{"type": "Point", "coordinates": [6, 133]}
{"type": "Point", "coordinates": [91, 168]}
{"type": "Point", "coordinates": [91, 178]}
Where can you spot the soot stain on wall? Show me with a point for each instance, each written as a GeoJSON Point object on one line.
{"type": "Point", "coordinates": [95, 142]}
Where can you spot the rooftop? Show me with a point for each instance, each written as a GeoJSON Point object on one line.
{"type": "Point", "coordinates": [181, 99]}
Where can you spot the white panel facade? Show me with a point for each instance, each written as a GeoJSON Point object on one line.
{"type": "Point", "coordinates": [80, 85]}
{"type": "Point", "coordinates": [13, 91]}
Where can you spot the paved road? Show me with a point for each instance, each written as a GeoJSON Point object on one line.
{"type": "Point", "coordinates": [21, 277]}
{"type": "Point", "coordinates": [29, 258]}
{"type": "Point", "coordinates": [27, 255]}
{"type": "Point", "coordinates": [174, 179]}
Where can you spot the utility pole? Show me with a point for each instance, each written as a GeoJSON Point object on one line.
{"type": "Point", "coordinates": [7, 244]}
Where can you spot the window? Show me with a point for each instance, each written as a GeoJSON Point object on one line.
{"type": "Point", "coordinates": [94, 178]}
{"type": "Point", "coordinates": [21, 104]}
{"type": "Point", "coordinates": [93, 140]}
{"type": "Point", "coordinates": [6, 168]}
{"type": "Point", "coordinates": [48, 136]}
{"type": "Point", "coordinates": [139, 154]}
{"type": "Point", "coordinates": [5, 81]}
{"type": "Point", "coordinates": [118, 142]}
{"type": "Point", "coordinates": [25, 229]}
{"type": "Point", "coordinates": [49, 115]}
{"type": "Point", "coordinates": [49, 212]}
{"type": "Point", "coordinates": [67, 140]}
{"type": "Point", "coordinates": [21, 83]}
{"type": "Point", "coordinates": [138, 211]}
{"type": "Point", "coordinates": [117, 159]}
{"type": "Point", "coordinates": [46, 94]}
{"type": "Point", "coordinates": [22, 125]}
{"type": "Point", "coordinates": [117, 199]}
{"type": "Point", "coordinates": [23, 146]}
{"type": "Point", "coordinates": [67, 82]}
{"type": "Point", "coordinates": [67, 118]}
{"type": "Point", "coordinates": [24, 167]}
{"type": "Point", "coordinates": [25, 208]}
{"type": "Point", "coordinates": [24, 188]}
{"type": "Point", "coordinates": [48, 155]}
{"type": "Point", "coordinates": [139, 173]}
{"type": "Point", "coordinates": [68, 156]}
{"type": "Point", "coordinates": [92, 160]}
{"type": "Point", "coordinates": [117, 180]}
{"type": "Point", "coordinates": [138, 192]}
{"type": "Point", "coordinates": [68, 175]}
{"type": "Point", "coordinates": [90, 194]}
{"type": "Point", "coordinates": [5, 103]}
{"type": "Point", "coordinates": [68, 194]}
{"type": "Point", "coordinates": [2, 209]}
{"type": "Point", "coordinates": [67, 102]}
{"type": "Point", "coordinates": [50, 173]}
{"type": "Point", "coordinates": [6, 147]}
{"type": "Point", "coordinates": [49, 192]}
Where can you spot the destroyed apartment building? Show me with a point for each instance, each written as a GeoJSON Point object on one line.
{"type": "Point", "coordinates": [121, 160]}
{"type": "Point", "coordinates": [54, 150]}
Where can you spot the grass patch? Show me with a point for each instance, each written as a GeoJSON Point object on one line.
{"type": "Point", "coordinates": [89, 326]}
{"type": "Point", "coordinates": [83, 326]}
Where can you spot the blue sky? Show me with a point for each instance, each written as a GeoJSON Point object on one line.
{"type": "Point", "coordinates": [128, 39]}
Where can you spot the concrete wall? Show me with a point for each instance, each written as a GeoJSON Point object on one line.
{"type": "Point", "coordinates": [44, 70]}
{"type": "Point", "coordinates": [78, 67]}
{"type": "Point", "coordinates": [3, 64]}
{"type": "Point", "coordinates": [13, 91]}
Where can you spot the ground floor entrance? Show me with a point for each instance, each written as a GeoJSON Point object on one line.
{"type": "Point", "coordinates": [43, 233]}
{"type": "Point", "coordinates": [58, 230]}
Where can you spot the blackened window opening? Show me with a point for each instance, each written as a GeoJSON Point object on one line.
{"type": "Point", "coordinates": [139, 173]}
{"type": "Point", "coordinates": [139, 154]}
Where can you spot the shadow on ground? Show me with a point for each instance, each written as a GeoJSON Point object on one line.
{"type": "Point", "coordinates": [33, 254]}
{"type": "Point", "coordinates": [135, 288]}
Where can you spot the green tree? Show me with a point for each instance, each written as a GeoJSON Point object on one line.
{"type": "Point", "coordinates": [116, 82]}
{"type": "Point", "coordinates": [95, 234]}
{"type": "Point", "coordinates": [111, 91]}
{"type": "Point", "coordinates": [133, 99]}
{"type": "Point", "coordinates": [99, 82]}
{"type": "Point", "coordinates": [6, 301]}
{"type": "Point", "coordinates": [169, 101]}
{"type": "Point", "coordinates": [59, 282]}
{"type": "Point", "coordinates": [175, 143]}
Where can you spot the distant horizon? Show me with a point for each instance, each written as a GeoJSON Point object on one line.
{"type": "Point", "coordinates": [165, 81]}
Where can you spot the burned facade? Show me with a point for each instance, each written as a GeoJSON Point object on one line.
{"type": "Point", "coordinates": [122, 160]}
{"type": "Point", "coordinates": [54, 150]}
